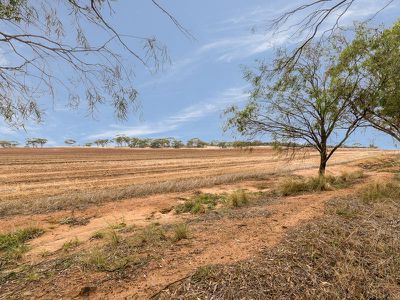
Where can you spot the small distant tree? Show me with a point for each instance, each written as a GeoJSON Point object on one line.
{"type": "Point", "coordinates": [102, 142]}
{"type": "Point", "coordinates": [133, 142]}
{"type": "Point", "coordinates": [175, 143]}
{"type": "Point", "coordinates": [69, 142]}
{"type": "Point", "coordinates": [88, 144]}
{"type": "Point", "coordinates": [196, 143]}
{"type": "Point", "coordinates": [156, 143]}
{"type": "Point", "coordinates": [30, 143]}
{"type": "Point", "coordinates": [143, 143]}
{"type": "Point", "coordinates": [34, 142]}
{"type": "Point", "coordinates": [121, 140]}
{"type": "Point", "coordinates": [41, 141]}
{"type": "Point", "coordinates": [5, 144]}
{"type": "Point", "coordinates": [13, 144]}
{"type": "Point", "coordinates": [304, 104]}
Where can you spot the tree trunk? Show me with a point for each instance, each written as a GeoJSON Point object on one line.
{"type": "Point", "coordinates": [322, 165]}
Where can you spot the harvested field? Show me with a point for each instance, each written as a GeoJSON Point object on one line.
{"type": "Point", "coordinates": [174, 237]}
{"type": "Point", "coordinates": [42, 180]}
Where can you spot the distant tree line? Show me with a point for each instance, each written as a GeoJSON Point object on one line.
{"type": "Point", "coordinates": [169, 142]}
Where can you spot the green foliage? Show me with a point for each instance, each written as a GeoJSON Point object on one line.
{"type": "Point", "coordinates": [196, 143]}
{"type": "Point", "coordinates": [198, 204]}
{"type": "Point", "coordinates": [71, 244]}
{"type": "Point", "coordinates": [11, 9]}
{"type": "Point", "coordinates": [14, 244]}
{"type": "Point", "coordinates": [8, 144]}
{"type": "Point", "coordinates": [34, 142]}
{"type": "Point", "coordinates": [304, 104]}
{"type": "Point", "coordinates": [101, 142]}
{"type": "Point", "coordinates": [370, 64]}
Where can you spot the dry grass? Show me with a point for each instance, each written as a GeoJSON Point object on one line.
{"type": "Point", "coordinates": [13, 245]}
{"type": "Point", "coordinates": [352, 252]}
{"type": "Point", "coordinates": [202, 203]}
{"type": "Point", "coordinates": [181, 232]}
{"type": "Point", "coordinates": [298, 185]}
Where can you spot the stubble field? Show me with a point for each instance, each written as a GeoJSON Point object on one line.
{"type": "Point", "coordinates": [40, 180]}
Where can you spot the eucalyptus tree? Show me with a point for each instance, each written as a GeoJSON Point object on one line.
{"type": "Point", "coordinates": [41, 141]}
{"type": "Point", "coordinates": [143, 143]}
{"type": "Point", "coordinates": [175, 143]}
{"type": "Point", "coordinates": [34, 142]}
{"type": "Point", "coordinates": [5, 144]}
{"type": "Point", "coordinates": [70, 46]}
{"type": "Point", "coordinates": [303, 105]}
{"type": "Point", "coordinates": [196, 143]}
{"type": "Point", "coordinates": [374, 55]}
{"type": "Point", "coordinates": [133, 142]}
{"type": "Point", "coordinates": [102, 142]}
{"type": "Point", "coordinates": [119, 140]}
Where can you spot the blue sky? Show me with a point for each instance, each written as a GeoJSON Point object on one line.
{"type": "Point", "coordinates": [186, 99]}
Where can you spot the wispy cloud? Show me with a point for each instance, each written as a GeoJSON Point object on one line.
{"type": "Point", "coordinates": [243, 46]}
{"type": "Point", "coordinates": [191, 113]}
{"type": "Point", "coordinates": [6, 130]}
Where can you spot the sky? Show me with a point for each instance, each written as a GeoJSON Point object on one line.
{"type": "Point", "coordinates": [187, 97]}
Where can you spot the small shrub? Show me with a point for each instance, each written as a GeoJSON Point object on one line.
{"type": "Point", "coordinates": [202, 273]}
{"type": "Point", "coordinates": [98, 235]}
{"type": "Point", "coordinates": [14, 244]}
{"type": "Point", "coordinates": [238, 198]}
{"type": "Point", "coordinates": [113, 237]}
{"type": "Point", "coordinates": [96, 258]}
{"type": "Point", "coordinates": [181, 231]}
{"type": "Point", "coordinates": [151, 234]}
{"type": "Point", "coordinates": [346, 212]}
{"type": "Point", "coordinates": [118, 226]}
{"type": "Point", "coordinates": [74, 221]}
{"type": "Point", "coordinates": [292, 186]}
{"type": "Point", "coordinates": [71, 244]}
{"type": "Point", "coordinates": [200, 203]}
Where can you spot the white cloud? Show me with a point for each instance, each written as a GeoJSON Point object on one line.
{"type": "Point", "coordinates": [7, 130]}
{"type": "Point", "coordinates": [189, 114]}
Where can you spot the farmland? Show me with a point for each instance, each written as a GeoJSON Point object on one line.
{"type": "Point", "coordinates": [118, 223]}
{"type": "Point", "coordinates": [49, 179]}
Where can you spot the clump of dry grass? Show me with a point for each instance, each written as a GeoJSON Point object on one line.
{"type": "Point", "coordinates": [200, 203]}
{"type": "Point", "coordinates": [297, 185]}
{"type": "Point", "coordinates": [74, 221]}
{"type": "Point", "coordinates": [352, 252]}
{"type": "Point", "coordinates": [13, 245]}
{"type": "Point", "coordinates": [181, 232]}
{"type": "Point", "coordinates": [238, 198]}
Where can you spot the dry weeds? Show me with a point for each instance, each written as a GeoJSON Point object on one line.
{"type": "Point", "coordinates": [352, 252]}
